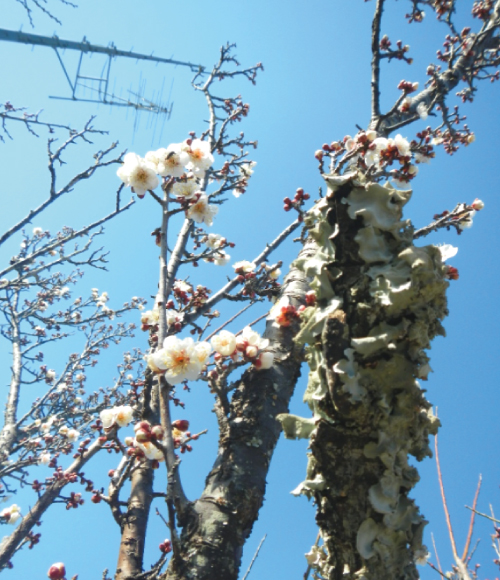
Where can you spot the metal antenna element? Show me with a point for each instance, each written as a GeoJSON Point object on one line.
{"type": "Point", "coordinates": [100, 85]}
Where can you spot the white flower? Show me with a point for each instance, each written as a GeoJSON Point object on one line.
{"type": "Point", "coordinates": [11, 514]}
{"type": "Point", "coordinates": [185, 189]}
{"type": "Point", "coordinates": [72, 434]}
{"type": "Point", "coordinates": [412, 170]}
{"type": "Point", "coordinates": [44, 458]}
{"type": "Point", "coordinates": [471, 138]}
{"type": "Point", "coordinates": [45, 427]}
{"type": "Point", "coordinates": [150, 317]}
{"type": "Point", "coordinates": [182, 286]}
{"type": "Point", "coordinates": [179, 358]}
{"type": "Point", "coordinates": [150, 451]}
{"type": "Point", "coordinates": [252, 338]}
{"type": "Point", "coordinates": [224, 343]}
{"type": "Point", "coordinates": [173, 316]}
{"type": "Point", "coordinates": [213, 241]}
{"type": "Point", "coordinates": [421, 556]}
{"type": "Point", "coordinates": [123, 415]}
{"type": "Point", "coordinates": [447, 251]}
{"type": "Point", "coordinates": [422, 111]}
{"type": "Point", "coordinates": [371, 135]}
{"type": "Point", "coordinates": [265, 361]}
{"type": "Point", "coordinates": [138, 174]}
{"type": "Point", "coordinates": [200, 157]}
{"type": "Point", "coordinates": [37, 231]}
{"type": "Point", "coordinates": [275, 274]}
{"type": "Point", "coordinates": [221, 258]}
{"type": "Point", "coordinates": [202, 351]}
{"type": "Point", "coordinates": [244, 266]}
{"type": "Point", "coordinates": [478, 204]}
{"type": "Point", "coordinates": [246, 169]}
{"type": "Point", "coordinates": [50, 375]}
{"type": "Point", "coordinates": [202, 212]}
{"type": "Point", "coordinates": [466, 222]}
{"type": "Point", "coordinates": [419, 158]}
{"type": "Point", "coordinates": [169, 161]}
{"type": "Point", "coordinates": [402, 145]}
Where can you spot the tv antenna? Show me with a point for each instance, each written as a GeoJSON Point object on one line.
{"type": "Point", "coordinates": [99, 84]}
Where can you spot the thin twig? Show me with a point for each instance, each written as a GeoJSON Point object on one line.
{"type": "Point", "coordinates": [254, 557]}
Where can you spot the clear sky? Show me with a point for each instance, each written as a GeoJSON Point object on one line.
{"type": "Point", "coordinates": [315, 89]}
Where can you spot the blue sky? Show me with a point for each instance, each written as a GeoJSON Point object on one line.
{"type": "Point", "coordinates": [315, 89]}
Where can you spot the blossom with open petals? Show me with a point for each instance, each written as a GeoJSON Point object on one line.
{"type": "Point", "coordinates": [11, 514]}
{"type": "Point", "coordinates": [213, 241]}
{"type": "Point", "coordinates": [200, 156]}
{"type": "Point", "coordinates": [203, 212]}
{"type": "Point", "coordinates": [185, 189]}
{"type": "Point", "coordinates": [224, 343]}
{"type": "Point", "coordinates": [181, 359]}
{"type": "Point", "coordinates": [138, 174]}
{"type": "Point", "coordinates": [244, 266]}
{"type": "Point", "coordinates": [221, 258]}
{"type": "Point", "coordinates": [169, 161]}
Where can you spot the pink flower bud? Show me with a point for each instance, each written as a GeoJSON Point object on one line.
{"type": "Point", "coordinates": [57, 571]}
{"type": "Point", "coordinates": [157, 432]}
{"type": "Point", "coordinates": [143, 426]}
{"type": "Point", "coordinates": [477, 204]}
{"type": "Point", "coordinates": [142, 436]}
{"type": "Point", "coordinates": [319, 155]}
{"type": "Point", "coordinates": [181, 424]}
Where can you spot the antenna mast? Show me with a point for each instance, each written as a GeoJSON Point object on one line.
{"type": "Point", "coordinates": [85, 47]}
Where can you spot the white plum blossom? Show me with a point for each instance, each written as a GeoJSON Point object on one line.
{"type": "Point", "coordinates": [247, 169]}
{"type": "Point", "coordinates": [150, 317]}
{"type": "Point", "coordinates": [265, 360]}
{"type": "Point", "coordinates": [72, 434]}
{"type": "Point", "coordinates": [244, 266]}
{"type": "Point", "coordinates": [181, 359]}
{"type": "Point", "coordinates": [138, 174]}
{"type": "Point", "coordinates": [50, 375]}
{"type": "Point", "coordinates": [121, 416]}
{"type": "Point", "coordinates": [203, 212]}
{"type": "Point", "coordinates": [11, 514]}
{"type": "Point", "coordinates": [249, 337]}
{"type": "Point", "coordinates": [419, 158]}
{"type": "Point", "coordinates": [44, 458]}
{"type": "Point", "coordinates": [466, 222]}
{"type": "Point", "coordinates": [447, 251]}
{"type": "Point", "coordinates": [185, 189]}
{"type": "Point", "coordinates": [173, 316]}
{"type": "Point", "coordinates": [224, 343]}
{"type": "Point", "coordinates": [421, 556]}
{"type": "Point", "coordinates": [200, 156]}
{"type": "Point", "coordinates": [182, 286]}
{"type": "Point", "coordinates": [150, 451]}
{"type": "Point", "coordinates": [274, 274]}
{"type": "Point", "coordinates": [169, 161]}
{"type": "Point", "coordinates": [402, 145]}
{"type": "Point", "coordinates": [422, 111]}
{"type": "Point", "coordinates": [37, 231]}
{"type": "Point", "coordinates": [221, 258]}
{"type": "Point", "coordinates": [478, 204]}
{"type": "Point", "coordinates": [213, 241]}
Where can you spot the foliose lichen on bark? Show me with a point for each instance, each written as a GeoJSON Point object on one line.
{"type": "Point", "coordinates": [379, 302]}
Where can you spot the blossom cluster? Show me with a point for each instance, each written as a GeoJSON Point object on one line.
{"type": "Point", "coordinates": [120, 416]}
{"type": "Point", "coordinates": [248, 344]}
{"type": "Point", "coordinates": [185, 163]}
{"type": "Point", "coordinates": [375, 154]}
{"type": "Point", "coordinates": [179, 359]}
{"type": "Point", "coordinates": [150, 441]}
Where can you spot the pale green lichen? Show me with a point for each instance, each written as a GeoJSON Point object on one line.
{"type": "Point", "coordinates": [401, 291]}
